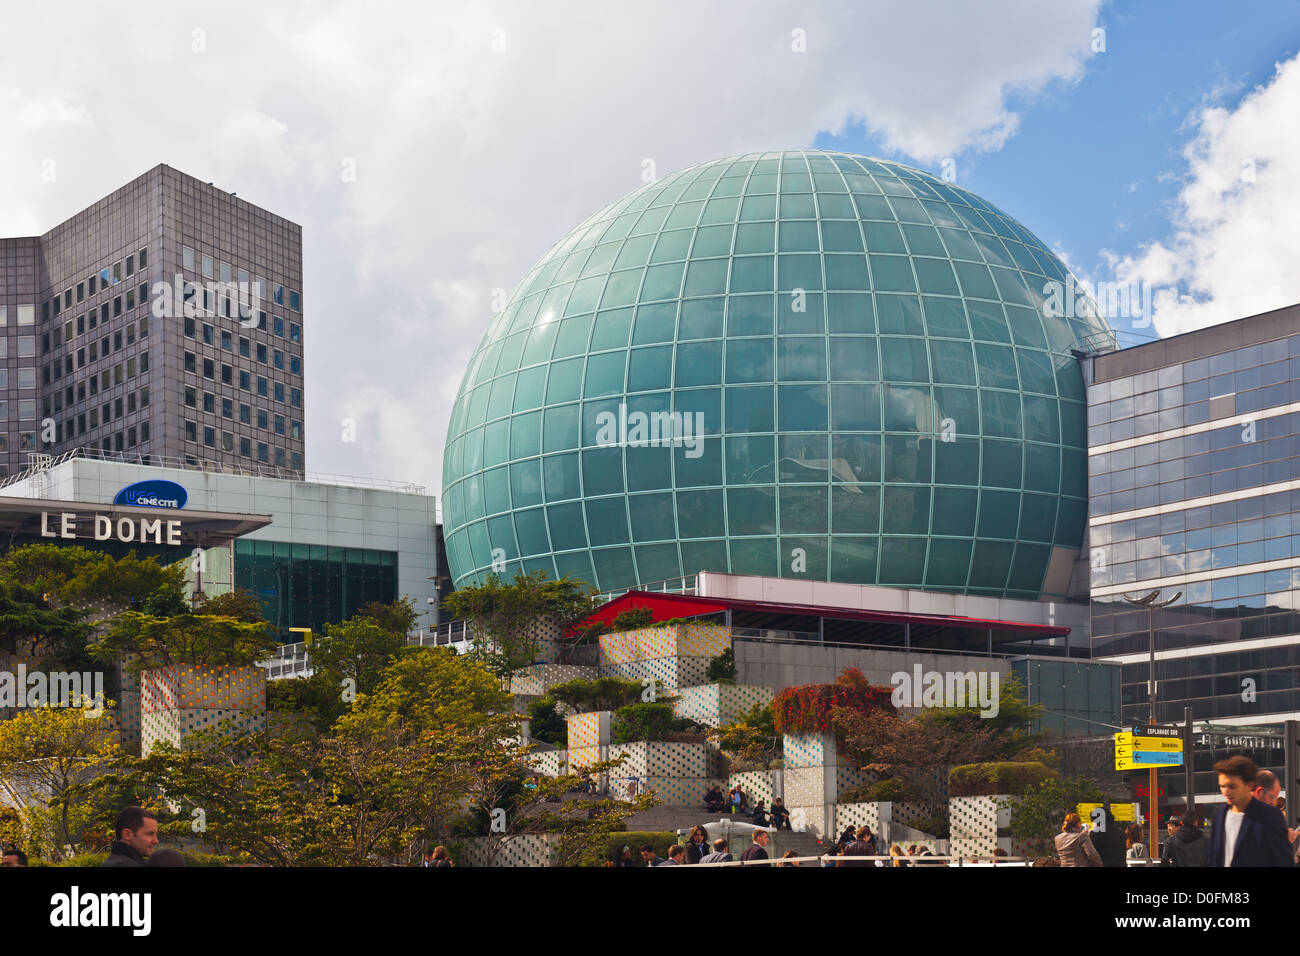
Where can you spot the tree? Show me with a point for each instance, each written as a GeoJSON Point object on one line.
{"type": "Point", "coordinates": [602, 693]}
{"type": "Point", "coordinates": [808, 709]}
{"type": "Point", "coordinates": [751, 741]}
{"type": "Point", "coordinates": [52, 755]}
{"type": "Point", "coordinates": [546, 724]}
{"type": "Point", "coordinates": [507, 618]}
{"type": "Point", "coordinates": [29, 622]}
{"type": "Point", "coordinates": [1036, 817]}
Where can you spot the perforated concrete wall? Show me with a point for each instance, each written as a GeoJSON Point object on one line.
{"type": "Point", "coordinates": [530, 849]}
{"type": "Point", "coordinates": [716, 705]}
{"type": "Point", "coordinates": [757, 785]}
{"type": "Point", "coordinates": [536, 679]}
{"type": "Point", "coordinates": [588, 730]}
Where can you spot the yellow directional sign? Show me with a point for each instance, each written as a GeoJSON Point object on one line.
{"type": "Point", "coordinates": [1123, 812]}
{"type": "Point", "coordinates": [1134, 751]}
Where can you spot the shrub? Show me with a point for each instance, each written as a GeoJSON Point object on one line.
{"type": "Point", "coordinates": [722, 669]}
{"type": "Point", "coordinates": [807, 709]}
{"type": "Point", "coordinates": [544, 722]}
{"type": "Point", "coordinates": [633, 619]}
{"type": "Point", "coordinates": [603, 693]}
{"type": "Point", "coordinates": [649, 721]}
{"type": "Point", "coordinates": [986, 779]}
{"type": "Point", "coordinates": [889, 790]}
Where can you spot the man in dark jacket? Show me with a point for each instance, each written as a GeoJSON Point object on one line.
{"type": "Point", "coordinates": [1247, 832]}
{"type": "Point", "coordinates": [756, 850]}
{"type": "Point", "coordinates": [861, 845]}
{"type": "Point", "coordinates": [135, 834]}
{"type": "Point", "coordinates": [1109, 842]}
{"type": "Point", "coordinates": [1187, 846]}
{"type": "Point", "coordinates": [720, 853]}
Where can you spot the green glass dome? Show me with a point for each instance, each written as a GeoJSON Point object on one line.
{"type": "Point", "coordinates": [800, 364]}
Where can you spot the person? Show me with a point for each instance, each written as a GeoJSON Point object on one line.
{"type": "Point", "coordinates": [759, 815]}
{"type": "Point", "coordinates": [720, 853]}
{"type": "Point", "coordinates": [788, 858]}
{"type": "Point", "coordinates": [698, 846]}
{"type": "Point", "coordinates": [13, 857]}
{"type": "Point", "coordinates": [899, 857]}
{"type": "Point", "coordinates": [1135, 849]}
{"type": "Point", "coordinates": [738, 802]}
{"type": "Point", "coordinates": [676, 854]}
{"type": "Point", "coordinates": [625, 857]}
{"type": "Point", "coordinates": [439, 857]}
{"type": "Point", "coordinates": [1247, 831]}
{"type": "Point", "coordinates": [1187, 845]}
{"type": "Point", "coordinates": [1172, 826]}
{"type": "Point", "coordinates": [165, 858]}
{"type": "Point", "coordinates": [847, 837]}
{"type": "Point", "coordinates": [780, 815]}
{"type": "Point", "coordinates": [714, 802]}
{"type": "Point", "coordinates": [135, 834]}
{"type": "Point", "coordinates": [758, 849]}
{"type": "Point", "coordinates": [1073, 844]}
{"type": "Point", "coordinates": [650, 856]}
{"type": "Point", "coordinates": [861, 845]}
{"type": "Point", "coordinates": [1108, 840]}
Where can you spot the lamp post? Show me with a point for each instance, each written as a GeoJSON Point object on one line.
{"type": "Point", "coordinates": [1149, 602]}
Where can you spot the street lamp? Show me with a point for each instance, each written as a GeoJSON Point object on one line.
{"type": "Point", "coordinates": [1149, 602]}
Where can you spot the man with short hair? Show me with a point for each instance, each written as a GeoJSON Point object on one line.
{"type": "Point", "coordinates": [780, 815]}
{"type": "Point", "coordinates": [13, 857]}
{"type": "Point", "coordinates": [676, 856]}
{"type": "Point", "coordinates": [719, 854]}
{"type": "Point", "coordinates": [135, 834]}
{"type": "Point", "coordinates": [650, 856]}
{"type": "Point", "coordinates": [861, 845]}
{"type": "Point", "coordinates": [758, 849]}
{"type": "Point", "coordinates": [1247, 831]}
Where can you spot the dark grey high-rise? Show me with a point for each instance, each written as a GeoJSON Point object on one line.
{"type": "Point", "coordinates": [123, 333]}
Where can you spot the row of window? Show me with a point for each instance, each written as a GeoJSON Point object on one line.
{"type": "Point", "coordinates": [227, 341]}
{"type": "Point", "coordinates": [99, 282]}
{"type": "Point", "coordinates": [264, 451]}
{"type": "Point", "coordinates": [1228, 513]}
{"type": "Point", "coordinates": [87, 322]}
{"type": "Point", "coordinates": [100, 348]}
{"type": "Point", "coordinates": [246, 413]}
{"type": "Point", "coordinates": [24, 314]}
{"type": "Point", "coordinates": [247, 349]}
{"type": "Point", "coordinates": [245, 379]}
{"type": "Point", "coordinates": [1223, 363]}
{"type": "Point", "coordinates": [209, 267]}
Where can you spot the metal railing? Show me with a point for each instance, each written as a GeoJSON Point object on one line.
{"type": "Point", "coordinates": [39, 464]}
{"type": "Point", "coordinates": [886, 861]}
{"type": "Point", "coordinates": [686, 584]}
{"type": "Point", "coordinates": [768, 636]}
{"type": "Point", "coordinates": [294, 660]}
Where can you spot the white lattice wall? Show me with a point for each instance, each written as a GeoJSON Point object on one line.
{"type": "Point", "coordinates": [716, 705]}
{"type": "Point", "coordinates": [588, 730]}
{"type": "Point", "coordinates": [673, 791]}
{"type": "Point", "coordinates": [660, 759]}
{"type": "Point", "coordinates": [668, 673]}
{"type": "Point", "coordinates": [531, 849]}
{"type": "Point", "coordinates": [536, 679]}
{"type": "Point", "coordinates": [757, 785]}
{"type": "Point", "coordinates": [552, 763]}
{"type": "Point", "coordinates": [974, 823]}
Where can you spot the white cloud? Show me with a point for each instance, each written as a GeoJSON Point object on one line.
{"type": "Point", "coordinates": [1236, 223]}
{"type": "Point", "coordinates": [470, 163]}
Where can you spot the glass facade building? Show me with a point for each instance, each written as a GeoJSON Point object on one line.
{"type": "Point", "coordinates": [800, 364]}
{"type": "Point", "coordinates": [1194, 475]}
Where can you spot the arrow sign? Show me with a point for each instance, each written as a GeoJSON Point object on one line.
{"type": "Point", "coordinates": [1147, 758]}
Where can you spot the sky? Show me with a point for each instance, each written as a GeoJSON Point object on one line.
{"type": "Point", "coordinates": [433, 152]}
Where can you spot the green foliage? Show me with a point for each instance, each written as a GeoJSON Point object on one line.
{"type": "Point", "coordinates": [1014, 714]}
{"type": "Point", "coordinates": [722, 669]}
{"type": "Point", "coordinates": [240, 604]}
{"type": "Point", "coordinates": [97, 859]}
{"type": "Point", "coordinates": [84, 578]}
{"type": "Point", "coordinates": [986, 779]}
{"type": "Point", "coordinates": [1036, 816]}
{"type": "Point", "coordinates": [546, 724]}
{"type": "Point", "coordinates": [632, 619]}
{"type": "Point", "coordinates": [641, 721]}
{"type": "Point", "coordinates": [168, 631]}
{"type": "Point", "coordinates": [751, 741]}
{"type": "Point", "coordinates": [888, 790]}
{"type": "Point", "coordinates": [603, 693]}
{"type": "Point", "coordinates": [808, 709]}
{"type": "Point", "coordinates": [56, 634]}
{"type": "Point", "coordinates": [508, 616]}
{"type": "Point", "coordinates": [611, 847]}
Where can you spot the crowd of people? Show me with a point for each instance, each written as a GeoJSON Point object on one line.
{"type": "Point", "coordinates": [737, 802]}
{"type": "Point", "coordinates": [1249, 829]}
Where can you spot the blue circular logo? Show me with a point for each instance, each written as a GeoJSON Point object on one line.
{"type": "Point", "coordinates": [155, 493]}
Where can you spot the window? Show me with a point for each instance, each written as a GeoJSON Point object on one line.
{"type": "Point", "coordinates": [106, 345]}
{"type": "Point", "coordinates": [261, 418]}
{"type": "Point", "coordinates": [4, 378]}
{"type": "Point", "coordinates": [144, 292]}
{"type": "Point", "coordinates": [26, 346]}
{"type": "Point", "coordinates": [117, 441]}
{"type": "Point", "coordinates": [144, 326]}
{"type": "Point", "coordinates": [243, 346]}
{"type": "Point", "coordinates": [81, 324]}
{"type": "Point", "coordinates": [262, 452]}
{"type": "Point", "coordinates": [117, 305]}
{"type": "Point", "coordinates": [144, 397]}
{"type": "Point", "coordinates": [278, 326]}
{"type": "Point", "coordinates": [245, 414]}
{"type": "Point", "coordinates": [278, 359]}
{"type": "Point", "coordinates": [189, 362]}
{"type": "Point", "coordinates": [67, 331]}
{"type": "Point", "coordinates": [130, 335]}
{"type": "Point", "coordinates": [144, 361]}
{"type": "Point", "coordinates": [261, 385]}
{"type": "Point", "coordinates": [226, 340]}
{"type": "Point", "coordinates": [244, 381]}
{"type": "Point", "coordinates": [94, 418]}
{"type": "Point", "coordinates": [279, 391]}
{"type": "Point", "coordinates": [209, 402]}
{"type": "Point", "coordinates": [207, 334]}
{"type": "Point", "coordinates": [209, 368]}
{"type": "Point", "coordinates": [90, 285]}
{"type": "Point", "coordinates": [81, 423]}
{"type": "Point", "coordinates": [191, 431]}
{"type": "Point", "coordinates": [81, 291]}
{"type": "Point", "coordinates": [130, 265]}
{"type": "Point", "coordinates": [207, 266]}
{"type": "Point", "coordinates": [225, 272]}
{"type": "Point", "coordinates": [26, 377]}
{"type": "Point", "coordinates": [227, 441]}
{"type": "Point", "coordinates": [117, 374]}
{"type": "Point", "coordinates": [295, 332]}
{"type": "Point", "coordinates": [130, 368]}
{"type": "Point", "coordinates": [117, 340]}
{"type": "Point", "coordinates": [103, 312]}
{"type": "Point", "coordinates": [245, 447]}
{"type": "Point", "coordinates": [144, 431]}
{"type": "Point", "coordinates": [227, 408]}
{"type": "Point", "coordinates": [295, 301]}
{"type": "Point", "coordinates": [295, 365]}
{"type": "Point", "coordinates": [279, 424]}
{"type": "Point", "coordinates": [130, 437]}
{"type": "Point", "coordinates": [187, 258]}
{"type": "Point", "coordinates": [81, 391]}
{"type": "Point", "coordinates": [143, 257]}
{"type": "Point", "coordinates": [94, 385]}
{"type": "Point", "coordinates": [227, 374]}
{"type": "Point", "coordinates": [210, 437]}
{"type": "Point", "coordinates": [4, 411]}
{"type": "Point", "coordinates": [67, 297]}
{"type": "Point", "coordinates": [130, 299]}
{"type": "Point", "coordinates": [279, 455]}
{"type": "Point", "coordinates": [189, 327]}
{"type": "Point", "coordinates": [261, 352]}
{"type": "Point", "coordinates": [117, 408]}
{"type": "Point", "coordinates": [130, 402]}
{"type": "Point", "coordinates": [295, 430]}
{"type": "Point", "coordinates": [295, 397]}
{"type": "Point", "coordinates": [26, 409]}
{"type": "Point", "coordinates": [94, 351]}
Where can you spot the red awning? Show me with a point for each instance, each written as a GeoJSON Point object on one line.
{"type": "Point", "coordinates": [665, 606]}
